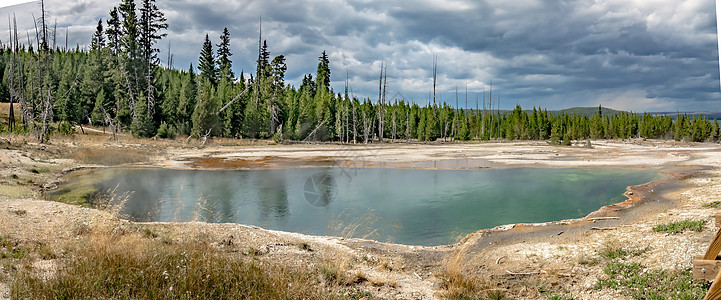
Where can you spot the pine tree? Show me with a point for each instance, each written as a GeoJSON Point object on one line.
{"type": "Point", "coordinates": [187, 102]}
{"type": "Point", "coordinates": [94, 78]}
{"type": "Point", "coordinates": [100, 109]}
{"type": "Point", "coordinates": [114, 31]}
{"type": "Point", "coordinates": [98, 40]}
{"type": "Point", "coordinates": [66, 104]}
{"type": "Point", "coordinates": [263, 68]}
{"type": "Point", "coordinates": [152, 23]}
{"type": "Point", "coordinates": [680, 127]}
{"type": "Point", "coordinates": [224, 54]}
{"type": "Point", "coordinates": [556, 132]}
{"type": "Point", "coordinates": [205, 118]}
{"type": "Point", "coordinates": [129, 33]}
{"type": "Point", "coordinates": [278, 67]}
{"type": "Point", "coordinates": [323, 73]}
{"type": "Point", "coordinates": [206, 64]}
{"type": "Point", "coordinates": [463, 133]}
{"type": "Point", "coordinates": [131, 76]}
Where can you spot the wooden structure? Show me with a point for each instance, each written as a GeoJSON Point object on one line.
{"type": "Point", "coordinates": [707, 266]}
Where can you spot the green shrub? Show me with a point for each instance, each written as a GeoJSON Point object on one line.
{"type": "Point", "coordinates": [678, 227]}
{"type": "Point", "coordinates": [166, 131]}
{"type": "Point", "coordinates": [634, 280]}
{"type": "Point", "coordinates": [713, 204]}
{"type": "Point", "coordinates": [620, 253]}
{"type": "Point", "coordinates": [66, 128]}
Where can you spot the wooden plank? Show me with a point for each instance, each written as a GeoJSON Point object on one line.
{"type": "Point", "coordinates": [714, 248]}
{"type": "Point", "coordinates": [705, 269]}
{"type": "Point", "coordinates": [718, 220]}
{"type": "Point", "coordinates": [714, 292]}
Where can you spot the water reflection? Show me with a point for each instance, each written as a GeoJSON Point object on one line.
{"type": "Point", "coordinates": [273, 196]}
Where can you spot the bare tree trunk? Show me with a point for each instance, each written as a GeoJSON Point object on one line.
{"type": "Point", "coordinates": [365, 128]}
{"type": "Point", "coordinates": [380, 106]}
{"type": "Point", "coordinates": [408, 123]}
{"type": "Point", "coordinates": [257, 76]}
{"type": "Point", "coordinates": [435, 72]}
{"type": "Point", "coordinates": [11, 81]}
{"type": "Point", "coordinates": [455, 118]}
{"type": "Point", "coordinates": [465, 115]}
{"type": "Point", "coordinates": [109, 121]}
{"type": "Point", "coordinates": [45, 95]}
{"type": "Point", "coordinates": [394, 122]}
{"type": "Point", "coordinates": [346, 104]}
{"type": "Point", "coordinates": [355, 138]}
{"type": "Point", "coordinates": [490, 102]}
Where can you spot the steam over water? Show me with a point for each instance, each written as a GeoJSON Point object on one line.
{"type": "Point", "coordinates": [409, 206]}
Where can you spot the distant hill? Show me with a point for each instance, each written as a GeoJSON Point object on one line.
{"type": "Point", "coordinates": [710, 114]}
{"type": "Point", "coordinates": [588, 111]}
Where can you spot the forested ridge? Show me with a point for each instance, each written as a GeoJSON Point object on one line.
{"type": "Point", "coordinates": [120, 83]}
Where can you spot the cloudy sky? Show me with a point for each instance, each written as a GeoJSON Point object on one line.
{"type": "Point", "coordinates": [641, 55]}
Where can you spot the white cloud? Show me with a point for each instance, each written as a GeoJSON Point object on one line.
{"type": "Point", "coordinates": [7, 3]}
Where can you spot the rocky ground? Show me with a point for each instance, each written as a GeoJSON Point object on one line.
{"type": "Point", "coordinates": [516, 260]}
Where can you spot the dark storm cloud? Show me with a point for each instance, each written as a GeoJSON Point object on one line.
{"type": "Point", "coordinates": [627, 54]}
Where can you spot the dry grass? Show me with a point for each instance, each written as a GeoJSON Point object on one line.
{"type": "Point", "coordinates": [106, 265]}
{"type": "Point", "coordinates": [457, 285]}
{"type": "Point", "coordinates": [110, 156]}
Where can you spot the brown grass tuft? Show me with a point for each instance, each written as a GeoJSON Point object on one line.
{"type": "Point", "coordinates": [131, 266]}
{"type": "Point", "coordinates": [459, 285]}
{"type": "Point", "coordinates": [110, 156]}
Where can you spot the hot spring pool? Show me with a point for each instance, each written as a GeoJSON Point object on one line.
{"type": "Point", "coordinates": [408, 206]}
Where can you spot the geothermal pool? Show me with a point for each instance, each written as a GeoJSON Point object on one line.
{"type": "Point", "coordinates": [408, 206]}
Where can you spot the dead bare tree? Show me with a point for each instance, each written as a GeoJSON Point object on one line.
{"type": "Point", "coordinates": [17, 80]}
{"type": "Point", "coordinates": [206, 135]}
{"type": "Point", "coordinates": [11, 81]}
{"type": "Point", "coordinates": [408, 127]}
{"type": "Point", "coordinates": [435, 72]}
{"type": "Point", "coordinates": [380, 105]}
{"type": "Point", "coordinates": [483, 116]}
{"type": "Point", "coordinates": [258, 75]}
{"type": "Point", "coordinates": [466, 106]}
{"type": "Point", "coordinates": [312, 133]}
{"type": "Point", "coordinates": [347, 117]}
{"type": "Point", "coordinates": [44, 29]}
{"type": "Point", "coordinates": [394, 121]}
{"type": "Point", "coordinates": [109, 121]}
{"type": "Point", "coordinates": [455, 117]}
{"type": "Point", "coordinates": [355, 138]}
{"type": "Point", "coordinates": [55, 31]}
{"type": "Point", "coordinates": [366, 128]}
{"type": "Point", "coordinates": [490, 104]}
{"type": "Point", "coordinates": [247, 88]}
{"type": "Point", "coordinates": [445, 121]}
{"type": "Point", "coordinates": [44, 92]}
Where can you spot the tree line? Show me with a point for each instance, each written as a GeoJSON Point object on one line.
{"type": "Point", "coordinates": [120, 83]}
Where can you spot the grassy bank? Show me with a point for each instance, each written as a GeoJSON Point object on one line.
{"type": "Point", "coordinates": [114, 264]}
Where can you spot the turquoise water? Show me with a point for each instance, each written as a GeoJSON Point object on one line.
{"type": "Point", "coordinates": [408, 206]}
